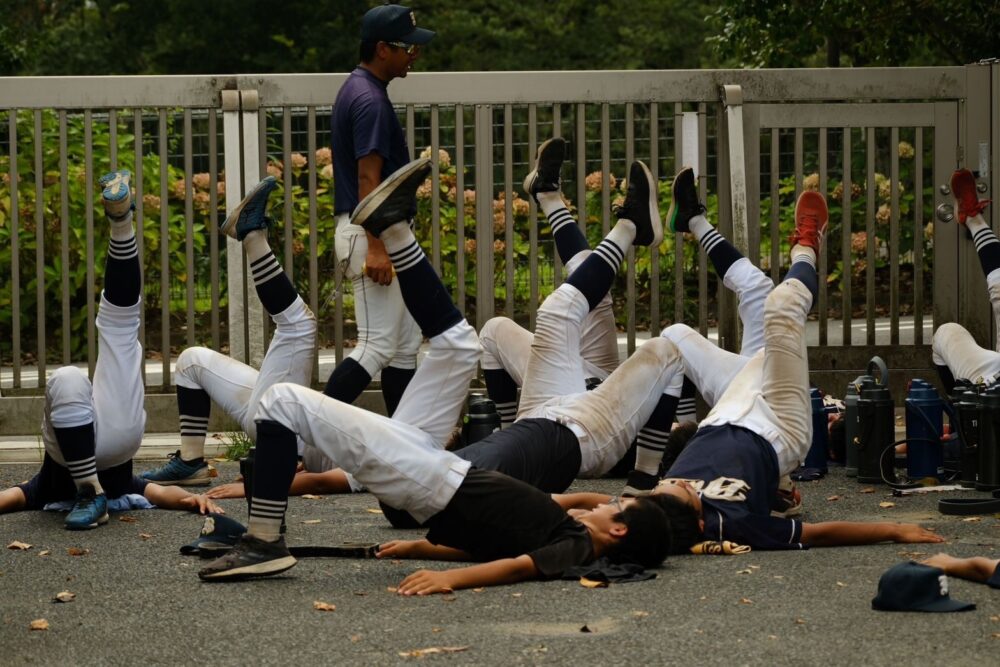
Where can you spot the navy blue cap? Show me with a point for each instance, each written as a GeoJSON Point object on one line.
{"type": "Point", "coordinates": [217, 531]}
{"type": "Point", "coordinates": [393, 23]}
{"type": "Point", "coordinates": [912, 586]}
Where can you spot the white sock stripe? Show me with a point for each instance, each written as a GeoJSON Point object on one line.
{"type": "Point", "coordinates": [407, 257]}
{"type": "Point", "coordinates": [270, 274]}
{"type": "Point", "coordinates": [611, 254]}
{"type": "Point", "coordinates": [81, 462]}
{"type": "Point", "coordinates": [984, 237]}
{"type": "Point", "coordinates": [559, 219]}
{"type": "Point", "coordinates": [267, 502]}
{"type": "Point", "coordinates": [273, 516]}
{"type": "Point", "coordinates": [654, 435]}
{"type": "Point", "coordinates": [711, 239]}
{"type": "Point", "coordinates": [193, 420]}
{"type": "Point", "coordinates": [649, 445]}
{"type": "Point", "coordinates": [263, 259]}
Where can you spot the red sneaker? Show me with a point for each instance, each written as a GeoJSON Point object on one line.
{"type": "Point", "coordinates": [811, 216]}
{"type": "Point", "coordinates": [963, 187]}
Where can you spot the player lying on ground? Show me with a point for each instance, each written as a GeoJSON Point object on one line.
{"type": "Point", "coordinates": [517, 531]}
{"type": "Point", "coordinates": [91, 431]}
{"type": "Point", "coordinates": [760, 429]}
{"type": "Point", "coordinates": [956, 354]}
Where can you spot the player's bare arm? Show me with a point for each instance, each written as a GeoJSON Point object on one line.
{"type": "Point", "coordinates": [850, 533]}
{"type": "Point", "coordinates": [377, 264]}
{"type": "Point", "coordinates": [420, 549]}
{"type": "Point", "coordinates": [177, 498]}
{"type": "Point", "coordinates": [494, 573]}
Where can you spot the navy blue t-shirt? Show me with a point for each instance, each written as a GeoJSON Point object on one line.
{"type": "Point", "coordinates": [363, 123]}
{"type": "Point", "coordinates": [736, 472]}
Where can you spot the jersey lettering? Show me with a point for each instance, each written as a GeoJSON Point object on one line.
{"type": "Point", "coordinates": [728, 489]}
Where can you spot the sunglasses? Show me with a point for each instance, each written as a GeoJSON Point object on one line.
{"type": "Point", "coordinates": [410, 49]}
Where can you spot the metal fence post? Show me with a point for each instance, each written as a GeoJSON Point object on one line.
{"type": "Point", "coordinates": [484, 214]}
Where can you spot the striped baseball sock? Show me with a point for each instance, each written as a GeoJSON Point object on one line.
{"type": "Point", "coordinates": [274, 469]}
{"type": "Point", "coordinates": [653, 435]}
{"type": "Point", "coordinates": [275, 290]}
{"type": "Point", "coordinates": [568, 236]}
{"type": "Point", "coordinates": [122, 272]}
{"type": "Point", "coordinates": [424, 294]}
{"type": "Point", "coordinates": [77, 446]}
{"type": "Point", "coordinates": [502, 390]}
{"type": "Point", "coordinates": [596, 273]}
{"type": "Point", "coordinates": [721, 252]}
{"type": "Point", "coordinates": [686, 406]}
{"type": "Point", "coordinates": [986, 242]}
{"type": "Point", "coordinates": [194, 407]}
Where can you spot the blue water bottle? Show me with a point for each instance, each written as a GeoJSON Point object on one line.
{"type": "Point", "coordinates": [924, 426]}
{"type": "Point", "coordinates": [818, 449]}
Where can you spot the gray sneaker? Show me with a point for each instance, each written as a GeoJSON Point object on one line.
{"type": "Point", "coordinates": [116, 193]}
{"type": "Point", "coordinates": [249, 558]}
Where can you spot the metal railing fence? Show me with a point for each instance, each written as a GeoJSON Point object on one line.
{"type": "Point", "coordinates": [880, 143]}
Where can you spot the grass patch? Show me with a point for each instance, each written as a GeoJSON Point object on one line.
{"type": "Point", "coordinates": [238, 444]}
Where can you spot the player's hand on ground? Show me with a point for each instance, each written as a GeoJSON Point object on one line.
{"type": "Point", "coordinates": [378, 267]}
{"type": "Point", "coordinates": [941, 560]}
{"type": "Point", "coordinates": [231, 490]}
{"type": "Point", "coordinates": [203, 504]}
{"type": "Point", "coordinates": [426, 582]}
{"type": "Point", "coordinates": [396, 549]}
{"type": "Point", "coordinates": [912, 533]}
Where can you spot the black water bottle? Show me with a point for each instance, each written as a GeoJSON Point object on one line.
{"type": "Point", "coordinates": [965, 401]}
{"type": "Point", "coordinates": [876, 428]}
{"type": "Point", "coordinates": [988, 476]}
{"type": "Point", "coordinates": [481, 419]}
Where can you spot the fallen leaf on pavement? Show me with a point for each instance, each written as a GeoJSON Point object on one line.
{"type": "Point", "coordinates": [832, 498]}
{"type": "Point", "coordinates": [590, 583]}
{"type": "Point", "coordinates": [77, 551]}
{"type": "Point", "coordinates": [516, 595]}
{"type": "Point", "coordinates": [421, 652]}
{"type": "Point", "coordinates": [360, 593]}
{"type": "Point", "coordinates": [44, 553]}
{"type": "Point", "coordinates": [841, 584]}
{"type": "Point", "coordinates": [972, 519]}
{"type": "Point", "coordinates": [448, 598]}
{"type": "Point", "coordinates": [772, 636]}
{"type": "Point", "coordinates": [39, 624]}
{"type": "Point", "coordinates": [746, 571]}
{"type": "Point", "coordinates": [995, 619]}
{"type": "Point", "coordinates": [373, 511]}
{"type": "Point", "coordinates": [392, 589]}
{"type": "Point", "coordinates": [18, 546]}
{"type": "Point", "coordinates": [640, 614]}
{"type": "Point", "coordinates": [127, 519]}
{"type": "Point", "coordinates": [64, 596]}
{"type": "Point", "coordinates": [867, 489]}
{"type": "Point", "coordinates": [311, 496]}
{"type": "Point", "coordinates": [886, 504]}
{"type": "Point", "coordinates": [355, 639]}
{"type": "Point", "coordinates": [323, 606]}
{"type": "Point", "coordinates": [746, 601]}
{"type": "Point", "coordinates": [437, 629]}
{"type": "Point", "coordinates": [478, 590]}
{"type": "Point", "coordinates": [145, 536]}
{"type": "Point", "coordinates": [313, 521]}
{"type": "Point", "coordinates": [800, 621]}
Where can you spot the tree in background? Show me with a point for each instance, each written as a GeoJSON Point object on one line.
{"type": "Point", "coordinates": [835, 33]}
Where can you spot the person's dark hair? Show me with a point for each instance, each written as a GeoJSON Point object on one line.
{"type": "Point", "coordinates": [683, 519]}
{"type": "Point", "coordinates": [676, 442]}
{"type": "Point", "coordinates": [647, 541]}
{"type": "Point", "coordinates": [367, 50]}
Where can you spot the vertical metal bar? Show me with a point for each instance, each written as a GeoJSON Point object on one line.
{"type": "Point", "coordinates": [678, 236]}
{"type": "Point", "coordinates": [703, 196]}
{"type": "Point", "coordinates": [798, 161]}
{"type": "Point", "coordinates": [946, 236]}
{"type": "Point", "coordinates": [605, 167]}
{"type": "Point", "coordinates": [484, 214]}
{"type": "Point", "coordinates": [289, 195]}
{"type": "Point", "coordinates": [88, 162]}
{"type": "Point", "coordinates": [460, 205]}
{"type": "Point", "coordinates": [508, 209]}
{"type": "Point", "coordinates": [410, 129]}
{"type": "Point", "coordinates": [824, 307]}
{"type": "Point", "coordinates": [581, 177]}
{"type": "Point", "coordinates": [113, 138]}
{"type": "Point", "coordinates": [870, 149]}
{"type": "Point", "coordinates": [894, 237]}
{"type": "Point", "coordinates": [751, 149]}
{"type": "Point", "coordinates": [140, 218]}
{"type": "Point", "coordinates": [654, 253]}
{"type": "Point", "coordinates": [39, 248]}
{"type": "Point", "coordinates": [435, 189]}
{"type": "Point", "coordinates": [213, 214]}
{"type": "Point", "coordinates": [630, 304]}
{"type": "Point", "coordinates": [15, 262]}
{"type": "Point", "coordinates": [313, 241]}
{"type": "Point", "coordinates": [189, 226]}
{"type": "Point", "coordinates": [164, 249]}
{"type": "Point", "coordinates": [775, 217]}
{"type": "Point", "coordinates": [64, 235]}
{"type": "Point", "coordinates": [918, 237]}
{"type": "Point", "coordinates": [532, 223]}
{"type": "Point", "coordinates": [726, 311]}
{"type": "Point", "coordinates": [557, 132]}
{"type": "Point", "coordinates": [846, 256]}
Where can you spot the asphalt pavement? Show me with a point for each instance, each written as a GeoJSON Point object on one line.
{"type": "Point", "coordinates": [138, 601]}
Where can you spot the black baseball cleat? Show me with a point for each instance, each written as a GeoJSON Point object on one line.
{"type": "Point", "coordinates": [684, 204]}
{"type": "Point", "coordinates": [250, 557]}
{"type": "Point", "coordinates": [640, 206]}
{"type": "Point", "coordinates": [639, 483]}
{"type": "Point", "coordinates": [393, 200]}
{"type": "Point", "coordinates": [548, 161]}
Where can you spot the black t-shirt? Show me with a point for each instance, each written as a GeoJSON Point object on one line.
{"type": "Point", "coordinates": [994, 580]}
{"type": "Point", "coordinates": [539, 452]}
{"type": "Point", "coordinates": [493, 516]}
{"type": "Point", "coordinates": [736, 472]}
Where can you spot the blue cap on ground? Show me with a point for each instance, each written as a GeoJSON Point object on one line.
{"type": "Point", "coordinates": [912, 586]}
